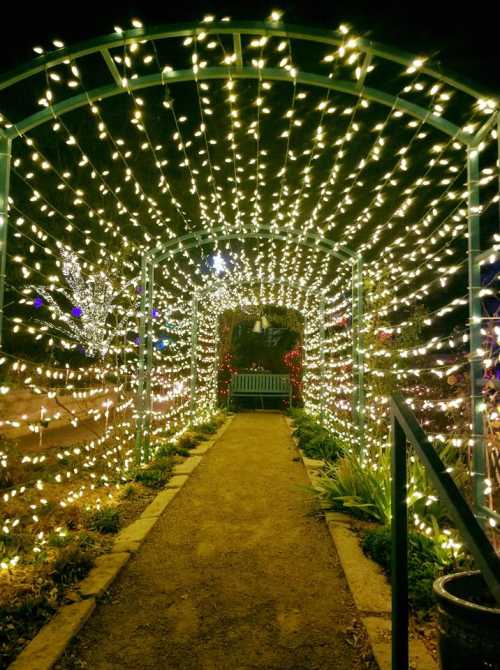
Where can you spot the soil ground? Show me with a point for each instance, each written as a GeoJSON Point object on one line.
{"type": "Point", "coordinates": [237, 574]}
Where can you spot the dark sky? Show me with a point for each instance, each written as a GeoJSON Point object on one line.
{"type": "Point", "coordinates": [463, 40]}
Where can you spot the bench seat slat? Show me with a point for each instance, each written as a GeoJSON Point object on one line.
{"type": "Point", "coordinates": [258, 384]}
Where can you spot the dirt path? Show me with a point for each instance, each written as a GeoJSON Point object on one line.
{"type": "Point", "coordinates": [236, 575]}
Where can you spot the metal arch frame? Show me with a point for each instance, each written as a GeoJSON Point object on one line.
{"type": "Point", "coordinates": [272, 74]}
{"type": "Point", "coordinates": [154, 257]}
{"type": "Point", "coordinates": [220, 234]}
{"type": "Point", "coordinates": [261, 280]}
{"type": "Point", "coordinates": [270, 28]}
{"type": "Point", "coordinates": [102, 45]}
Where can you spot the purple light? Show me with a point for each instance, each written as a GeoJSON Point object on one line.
{"type": "Point", "coordinates": [38, 302]}
{"type": "Point", "coordinates": [137, 340]}
{"type": "Point", "coordinates": [154, 312]}
{"type": "Point", "coordinates": [76, 312]}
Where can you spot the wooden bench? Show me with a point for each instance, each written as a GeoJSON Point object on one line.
{"type": "Point", "coordinates": [257, 384]}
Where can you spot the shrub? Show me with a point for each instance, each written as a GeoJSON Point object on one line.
{"type": "Point", "coordinates": [128, 491]}
{"type": "Point", "coordinates": [169, 449]}
{"type": "Point", "coordinates": [104, 520]}
{"type": "Point", "coordinates": [188, 440]}
{"type": "Point", "coordinates": [314, 440]}
{"type": "Point", "coordinates": [424, 564]}
{"type": "Point", "coordinates": [72, 564]}
{"type": "Point", "coordinates": [59, 540]}
{"type": "Point", "coordinates": [362, 488]}
{"type": "Point", "coordinates": [156, 474]}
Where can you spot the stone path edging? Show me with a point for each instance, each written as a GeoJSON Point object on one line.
{"type": "Point", "coordinates": [47, 647]}
{"type": "Point", "coordinates": [368, 585]}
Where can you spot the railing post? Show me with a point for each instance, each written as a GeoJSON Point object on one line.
{"type": "Point", "coordinates": [399, 550]}
{"type": "Point", "coordinates": [476, 370]}
{"type": "Point", "coordinates": [5, 155]}
{"type": "Point", "coordinates": [360, 357]}
{"type": "Point", "coordinates": [194, 356]}
{"type": "Point", "coordinates": [139, 431]}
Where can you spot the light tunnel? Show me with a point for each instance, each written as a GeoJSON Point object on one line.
{"type": "Point", "coordinates": [153, 179]}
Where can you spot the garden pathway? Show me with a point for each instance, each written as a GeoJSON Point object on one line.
{"type": "Point", "coordinates": [237, 574]}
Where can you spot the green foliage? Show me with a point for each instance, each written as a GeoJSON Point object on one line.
{"type": "Point", "coordinates": [188, 440]}
{"type": "Point", "coordinates": [424, 564]}
{"type": "Point", "coordinates": [359, 487]}
{"type": "Point", "coordinates": [362, 486]}
{"type": "Point", "coordinates": [72, 564]}
{"type": "Point", "coordinates": [314, 440]}
{"type": "Point", "coordinates": [22, 612]}
{"type": "Point", "coordinates": [104, 520]}
{"type": "Point", "coordinates": [59, 540]}
{"type": "Point", "coordinates": [128, 491]}
{"type": "Point", "coordinates": [156, 474]}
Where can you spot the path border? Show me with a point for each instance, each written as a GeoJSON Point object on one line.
{"type": "Point", "coordinates": [52, 640]}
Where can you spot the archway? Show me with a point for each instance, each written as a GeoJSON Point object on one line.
{"type": "Point", "coordinates": [352, 182]}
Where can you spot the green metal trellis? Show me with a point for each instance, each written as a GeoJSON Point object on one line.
{"type": "Point", "coordinates": [156, 256]}
{"type": "Point", "coordinates": [102, 46]}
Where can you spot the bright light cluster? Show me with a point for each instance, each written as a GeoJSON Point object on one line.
{"type": "Point", "coordinates": [260, 180]}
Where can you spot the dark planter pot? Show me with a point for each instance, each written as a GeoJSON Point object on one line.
{"type": "Point", "coordinates": [469, 623]}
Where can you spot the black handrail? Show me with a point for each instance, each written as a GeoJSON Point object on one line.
{"type": "Point", "coordinates": [405, 428]}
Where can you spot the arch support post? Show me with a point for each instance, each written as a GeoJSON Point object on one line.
{"type": "Point", "coordinates": [141, 369]}
{"type": "Point", "coordinates": [478, 441]}
{"type": "Point", "coordinates": [322, 360]}
{"type": "Point", "coordinates": [150, 272]}
{"type": "Point", "coordinates": [194, 356]}
{"type": "Point", "coordinates": [358, 401]}
{"type": "Point", "coordinates": [5, 156]}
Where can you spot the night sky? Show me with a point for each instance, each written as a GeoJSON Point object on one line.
{"type": "Point", "coordinates": [464, 41]}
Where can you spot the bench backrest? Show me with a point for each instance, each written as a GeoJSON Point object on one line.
{"type": "Point", "coordinates": [259, 383]}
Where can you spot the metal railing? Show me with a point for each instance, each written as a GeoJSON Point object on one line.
{"type": "Point", "coordinates": [405, 428]}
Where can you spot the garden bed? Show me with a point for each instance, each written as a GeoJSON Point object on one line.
{"type": "Point", "coordinates": [75, 535]}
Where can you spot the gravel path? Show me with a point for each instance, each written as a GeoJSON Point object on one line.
{"type": "Point", "coordinates": [236, 575]}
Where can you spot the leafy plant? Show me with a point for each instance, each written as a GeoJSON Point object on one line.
{"type": "Point", "coordinates": [72, 564]}
{"type": "Point", "coordinates": [425, 563]}
{"type": "Point", "coordinates": [362, 485]}
{"type": "Point", "coordinates": [188, 440]}
{"type": "Point", "coordinates": [359, 487]}
{"type": "Point", "coordinates": [156, 474]}
{"type": "Point", "coordinates": [104, 520]}
{"type": "Point", "coordinates": [59, 539]}
{"type": "Point", "coordinates": [314, 439]}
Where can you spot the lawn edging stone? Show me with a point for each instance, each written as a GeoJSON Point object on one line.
{"type": "Point", "coordinates": [47, 647]}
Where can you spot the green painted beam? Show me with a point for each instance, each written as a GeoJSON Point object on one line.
{"type": "Point", "coordinates": [475, 337]}
{"type": "Point", "coordinates": [5, 156]}
{"type": "Point", "coordinates": [271, 74]}
{"type": "Point", "coordinates": [202, 237]}
{"type": "Point", "coordinates": [270, 29]}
